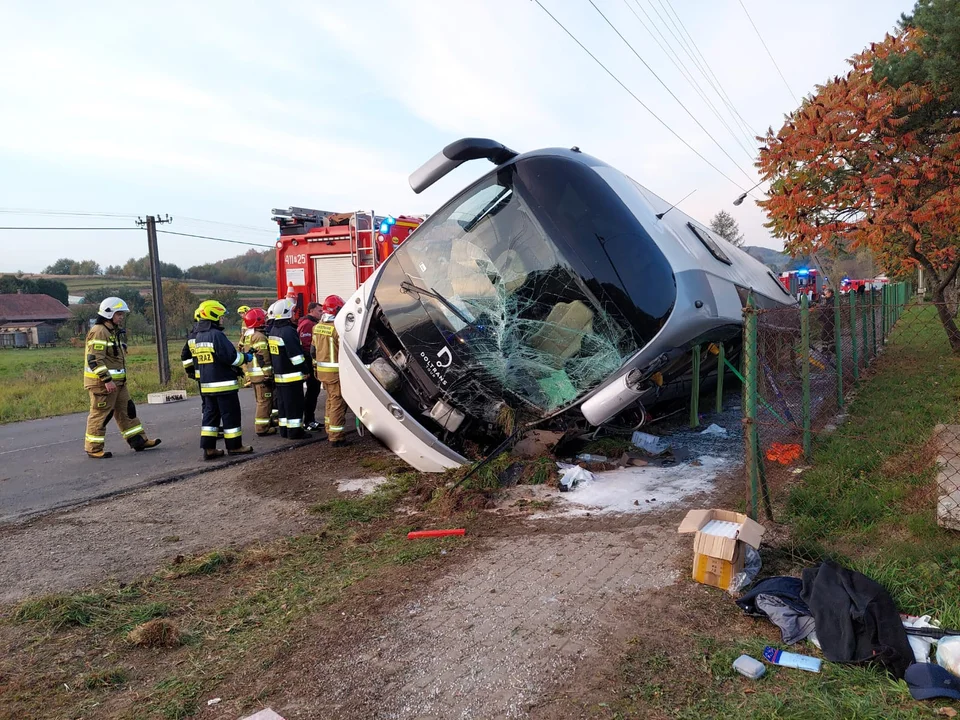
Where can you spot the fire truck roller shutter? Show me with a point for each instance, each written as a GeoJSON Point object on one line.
{"type": "Point", "coordinates": [334, 275]}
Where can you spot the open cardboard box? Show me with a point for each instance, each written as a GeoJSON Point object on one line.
{"type": "Point", "coordinates": [718, 556]}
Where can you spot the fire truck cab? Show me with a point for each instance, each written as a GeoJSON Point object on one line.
{"type": "Point", "coordinates": [322, 253]}
{"type": "Point", "coordinates": [803, 282]}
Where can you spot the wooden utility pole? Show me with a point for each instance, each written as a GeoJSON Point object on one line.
{"type": "Point", "coordinates": [159, 320]}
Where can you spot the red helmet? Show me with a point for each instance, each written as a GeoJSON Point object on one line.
{"type": "Point", "coordinates": [255, 318]}
{"type": "Point", "coordinates": [332, 304]}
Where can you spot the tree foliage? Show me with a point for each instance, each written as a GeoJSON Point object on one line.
{"type": "Point", "coordinates": [131, 296]}
{"type": "Point", "coordinates": [726, 227]}
{"type": "Point", "coordinates": [179, 304]}
{"type": "Point", "coordinates": [12, 284]}
{"type": "Point", "coordinates": [251, 268]}
{"type": "Point", "coordinates": [66, 266]}
{"type": "Point", "coordinates": [862, 163]}
{"type": "Point", "coordinates": [230, 299]}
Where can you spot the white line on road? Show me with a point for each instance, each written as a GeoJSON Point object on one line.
{"type": "Point", "coordinates": [36, 447]}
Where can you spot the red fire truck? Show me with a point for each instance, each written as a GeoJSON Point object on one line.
{"type": "Point", "coordinates": [322, 253]}
{"type": "Point", "coordinates": [802, 282]}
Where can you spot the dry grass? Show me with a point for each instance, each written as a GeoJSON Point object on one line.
{"type": "Point", "coordinates": [155, 634]}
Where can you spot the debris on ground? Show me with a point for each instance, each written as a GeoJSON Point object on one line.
{"type": "Point", "coordinates": [749, 667]}
{"type": "Point", "coordinates": [652, 444]}
{"type": "Point", "coordinates": [266, 714]}
{"type": "Point", "coordinates": [364, 486]}
{"type": "Point", "coordinates": [573, 475]}
{"type": "Point", "coordinates": [536, 444]}
{"type": "Point", "coordinates": [720, 544]}
{"type": "Point", "coordinates": [792, 660]}
{"type": "Point", "coordinates": [714, 429]}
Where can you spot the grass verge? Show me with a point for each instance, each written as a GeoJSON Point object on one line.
{"type": "Point", "coordinates": [869, 502]}
{"type": "Point", "coordinates": [46, 382]}
{"type": "Point", "coordinates": [229, 613]}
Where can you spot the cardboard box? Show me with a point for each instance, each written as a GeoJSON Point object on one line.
{"type": "Point", "coordinates": [719, 546]}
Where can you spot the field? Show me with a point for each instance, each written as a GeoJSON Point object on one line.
{"type": "Point", "coordinates": [79, 285]}
{"type": "Point", "coordinates": [49, 381]}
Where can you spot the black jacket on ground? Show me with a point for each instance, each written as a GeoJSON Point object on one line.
{"type": "Point", "coordinates": [857, 620]}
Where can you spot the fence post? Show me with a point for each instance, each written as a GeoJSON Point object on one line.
{"type": "Point", "coordinates": [805, 370]}
{"type": "Point", "coordinates": [751, 443]}
{"type": "Point", "coordinates": [883, 314]}
{"type": "Point", "coordinates": [853, 334]}
{"type": "Point", "coordinates": [695, 390]}
{"type": "Point", "coordinates": [838, 347]}
{"type": "Point", "coordinates": [721, 357]}
{"type": "Point", "coordinates": [863, 326]}
{"type": "Point", "coordinates": [873, 320]}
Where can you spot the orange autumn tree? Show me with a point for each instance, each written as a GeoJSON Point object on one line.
{"type": "Point", "coordinates": [864, 164]}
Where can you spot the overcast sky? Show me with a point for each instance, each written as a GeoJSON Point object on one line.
{"type": "Point", "coordinates": [216, 112]}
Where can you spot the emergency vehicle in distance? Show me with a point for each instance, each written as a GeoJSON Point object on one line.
{"type": "Point", "coordinates": [855, 284]}
{"type": "Point", "coordinates": [322, 253]}
{"type": "Point", "coordinates": [803, 282]}
{"type": "Point", "coordinates": [553, 292]}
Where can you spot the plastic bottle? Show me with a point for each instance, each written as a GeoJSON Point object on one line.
{"type": "Point", "coordinates": [587, 457]}
{"type": "Point", "coordinates": [793, 660]}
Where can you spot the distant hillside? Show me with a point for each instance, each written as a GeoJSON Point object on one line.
{"type": "Point", "coordinates": [251, 268]}
{"type": "Point", "coordinates": [773, 259]}
{"type": "Point", "coordinates": [79, 285]}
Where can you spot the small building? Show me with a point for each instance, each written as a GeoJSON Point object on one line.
{"type": "Point", "coordinates": [30, 320]}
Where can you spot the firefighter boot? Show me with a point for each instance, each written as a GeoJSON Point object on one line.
{"type": "Point", "coordinates": [212, 454]}
{"type": "Point", "coordinates": [100, 455]}
{"type": "Point", "coordinates": [269, 431]}
{"type": "Point", "coordinates": [242, 450]}
{"type": "Point", "coordinates": [139, 443]}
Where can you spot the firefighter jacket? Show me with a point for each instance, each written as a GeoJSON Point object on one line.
{"type": "Point", "coordinates": [105, 356]}
{"type": "Point", "coordinates": [218, 360]}
{"type": "Point", "coordinates": [187, 354]}
{"type": "Point", "coordinates": [326, 351]}
{"type": "Point", "coordinates": [286, 353]}
{"type": "Point", "coordinates": [261, 369]}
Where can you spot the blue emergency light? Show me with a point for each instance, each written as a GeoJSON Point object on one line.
{"type": "Point", "coordinates": [387, 223]}
{"type": "Point", "coordinates": [803, 271]}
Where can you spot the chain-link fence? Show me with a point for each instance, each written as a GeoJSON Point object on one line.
{"type": "Point", "coordinates": [850, 411]}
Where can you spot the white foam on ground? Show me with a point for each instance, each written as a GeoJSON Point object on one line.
{"type": "Point", "coordinates": [616, 491]}
{"type": "Point", "coordinates": [363, 485]}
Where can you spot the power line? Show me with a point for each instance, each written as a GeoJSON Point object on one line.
{"type": "Point", "coordinates": [227, 224]}
{"type": "Point", "coordinates": [209, 237]}
{"type": "Point", "coordinates": [78, 213]}
{"type": "Point", "coordinates": [684, 46]}
{"type": "Point", "coordinates": [732, 106]}
{"type": "Point", "coordinates": [66, 228]}
{"type": "Point", "coordinates": [667, 88]}
{"type": "Point", "coordinates": [769, 54]}
{"type": "Point", "coordinates": [642, 104]}
{"type": "Point", "coordinates": [670, 54]}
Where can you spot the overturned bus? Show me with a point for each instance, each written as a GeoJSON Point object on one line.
{"type": "Point", "coordinates": [553, 291]}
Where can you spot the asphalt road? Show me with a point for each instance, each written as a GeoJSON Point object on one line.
{"type": "Point", "coordinates": [43, 466]}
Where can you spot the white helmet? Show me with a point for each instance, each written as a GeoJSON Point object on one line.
{"type": "Point", "coordinates": [283, 309]}
{"type": "Point", "coordinates": [112, 305]}
{"type": "Point", "coordinates": [271, 314]}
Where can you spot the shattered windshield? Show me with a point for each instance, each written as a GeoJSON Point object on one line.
{"type": "Point", "coordinates": [511, 302]}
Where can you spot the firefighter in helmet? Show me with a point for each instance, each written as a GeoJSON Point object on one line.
{"type": "Point", "coordinates": [289, 370]}
{"type": "Point", "coordinates": [218, 364]}
{"type": "Point", "coordinates": [260, 370]}
{"type": "Point", "coordinates": [105, 378]}
{"type": "Point", "coordinates": [326, 362]}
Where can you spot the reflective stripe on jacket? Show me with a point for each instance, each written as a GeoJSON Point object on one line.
{"type": "Point", "coordinates": [326, 350]}
{"type": "Point", "coordinates": [286, 353]}
{"type": "Point", "coordinates": [104, 356]}
{"type": "Point", "coordinates": [217, 359]}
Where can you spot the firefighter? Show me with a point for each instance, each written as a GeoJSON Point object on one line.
{"type": "Point", "coordinates": [218, 364]}
{"type": "Point", "coordinates": [289, 370]}
{"type": "Point", "coordinates": [326, 362]}
{"type": "Point", "coordinates": [105, 378]}
{"type": "Point", "coordinates": [312, 393]}
{"type": "Point", "coordinates": [275, 413]}
{"type": "Point", "coordinates": [188, 357]}
{"type": "Point", "coordinates": [244, 332]}
{"type": "Point", "coordinates": [260, 371]}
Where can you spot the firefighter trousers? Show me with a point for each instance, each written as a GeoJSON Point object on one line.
{"type": "Point", "coordinates": [116, 405]}
{"type": "Point", "coordinates": [335, 416]}
{"type": "Point", "coordinates": [290, 400]}
{"type": "Point", "coordinates": [310, 400]}
{"type": "Point", "coordinates": [264, 391]}
{"type": "Point", "coordinates": [221, 410]}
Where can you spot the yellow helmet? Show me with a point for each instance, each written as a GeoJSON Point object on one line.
{"type": "Point", "coordinates": [211, 310]}
{"type": "Point", "coordinates": [196, 314]}
{"type": "Point", "coordinates": [243, 309]}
